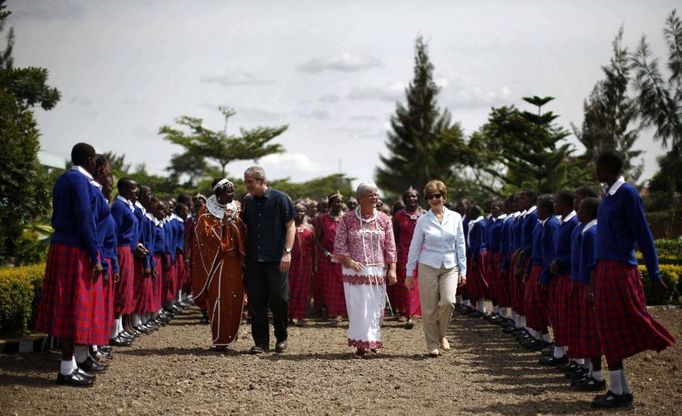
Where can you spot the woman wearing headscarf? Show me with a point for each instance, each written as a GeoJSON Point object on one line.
{"type": "Point", "coordinates": [218, 263]}
{"type": "Point", "coordinates": [365, 246]}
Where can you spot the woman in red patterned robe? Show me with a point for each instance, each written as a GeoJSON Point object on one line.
{"type": "Point", "coordinates": [327, 271]}
{"type": "Point", "coordinates": [405, 300]}
{"type": "Point", "coordinates": [301, 269]}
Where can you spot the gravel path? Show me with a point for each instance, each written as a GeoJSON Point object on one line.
{"type": "Point", "coordinates": [172, 371]}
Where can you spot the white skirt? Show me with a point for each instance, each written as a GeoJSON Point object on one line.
{"type": "Point", "coordinates": [365, 293]}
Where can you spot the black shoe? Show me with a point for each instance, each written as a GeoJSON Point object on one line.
{"type": "Point", "coordinates": [578, 381]}
{"type": "Point", "coordinates": [91, 366]}
{"type": "Point", "coordinates": [610, 400]}
{"type": "Point", "coordinates": [567, 368]}
{"type": "Point", "coordinates": [553, 361]}
{"type": "Point", "coordinates": [85, 374]}
{"type": "Point", "coordinates": [118, 342]}
{"type": "Point", "coordinates": [591, 384]}
{"type": "Point", "coordinates": [281, 346]}
{"type": "Point", "coordinates": [409, 324]}
{"type": "Point", "coordinates": [577, 374]}
{"type": "Point", "coordinates": [257, 350]}
{"type": "Point", "coordinates": [75, 379]}
{"type": "Point", "coordinates": [142, 329]}
{"type": "Point", "coordinates": [510, 329]}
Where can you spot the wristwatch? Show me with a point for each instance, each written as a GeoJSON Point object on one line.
{"type": "Point", "coordinates": [287, 250]}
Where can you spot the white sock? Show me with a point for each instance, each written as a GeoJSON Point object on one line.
{"type": "Point", "coordinates": [523, 320]}
{"type": "Point", "coordinates": [616, 378]}
{"type": "Point", "coordinates": [67, 367]}
{"type": "Point", "coordinates": [546, 337]}
{"type": "Point", "coordinates": [624, 381]}
{"type": "Point", "coordinates": [480, 305]}
{"type": "Point", "coordinates": [579, 361]}
{"type": "Point", "coordinates": [496, 309]}
{"type": "Point", "coordinates": [514, 315]}
{"type": "Point", "coordinates": [114, 329]}
{"type": "Point", "coordinates": [467, 302]}
{"type": "Point", "coordinates": [94, 348]}
{"type": "Point", "coordinates": [564, 350]}
{"type": "Point", "coordinates": [119, 324]}
{"type": "Point", "coordinates": [598, 375]}
{"type": "Point", "coordinates": [588, 363]}
{"type": "Point", "coordinates": [458, 299]}
{"type": "Point", "coordinates": [519, 321]}
{"type": "Point", "coordinates": [135, 319]}
{"type": "Point", "coordinates": [532, 332]}
{"type": "Point", "coordinates": [81, 353]}
{"type": "Point", "coordinates": [558, 352]}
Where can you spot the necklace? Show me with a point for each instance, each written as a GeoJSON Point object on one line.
{"type": "Point", "coordinates": [372, 231]}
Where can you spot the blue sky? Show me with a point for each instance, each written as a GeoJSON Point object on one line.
{"type": "Point", "coordinates": [331, 70]}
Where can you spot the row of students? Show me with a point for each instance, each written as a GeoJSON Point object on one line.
{"type": "Point", "coordinates": [112, 271]}
{"type": "Point", "coordinates": [567, 261]}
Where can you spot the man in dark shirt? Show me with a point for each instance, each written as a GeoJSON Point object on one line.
{"type": "Point", "coordinates": [269, 218]}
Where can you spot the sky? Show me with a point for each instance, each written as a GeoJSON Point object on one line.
{"type": "Point", "coordinates": [332, 71]}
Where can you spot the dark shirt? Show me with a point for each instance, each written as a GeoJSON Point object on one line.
{"type": "Point", "coordinates": [265, 218]}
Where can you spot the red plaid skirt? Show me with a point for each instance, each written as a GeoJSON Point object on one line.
{"type": "Point", "coordinates": [557, 302]}
{"type": "Point", "coordinates": [300, 273]}
{"type": "Point", "coordinates": [109, 300]}
{"type": "Point", "coordinates": [334, 296]}
{"type": "Point", "coordinates": [516, 285]}
{"type": "Point", "coordinates": [623, 322]}
{"type": "Point", "coordinates": [574, 290]}
{"type": "Point", "coordinates": [535, 301]}
{"type": "Point", "coordinates": [588, 344]}
{"type": "Point", "coordinates": [144, 291]}
{"type": "Point", "coordinates": [168, 282]}
{"type": "Point", "coordinates": [124, 302]}
{"type": "Point", "coordinates": [477, 282]}
{"type": "Point", "coordinates": [68, 298]}
{"type": "Point", "coordinates": [496, 281]}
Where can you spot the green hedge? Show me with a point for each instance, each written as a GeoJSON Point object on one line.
{"type": "Point", "coordinates": [19, 297]}
{"type": "Point", "coordinates": [672, 276]}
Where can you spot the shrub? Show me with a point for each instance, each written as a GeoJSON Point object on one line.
{"type": "Point", "coordinates": [19, 296]}
{"type": "Point", "coordinates": [669, 252]}
{"type": "Point", "coordinates": [671, 275]}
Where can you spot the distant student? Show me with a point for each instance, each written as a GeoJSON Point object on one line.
{"type": "Point", "coordinates": [589, 345]}
{"type": "Point", "coordinates": [477, 284]}
{"type": "Point", "coordinates": [623, 322]}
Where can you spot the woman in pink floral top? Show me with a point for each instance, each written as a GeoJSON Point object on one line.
{"type": "Point", "coordinates": [365, 246]}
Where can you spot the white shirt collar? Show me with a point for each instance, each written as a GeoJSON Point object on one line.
{"type": "Point", "coordinates": [614, 188]}
{"type": "Point", "coordinates": [139, 205]}
{"type": "Point", "coordinates": [127, 202]}
{"type": "Point", "coordinates": [176, 217]}
{"type": "Point", "coordinates": [501, 217]}
{"type": "Point", "coordinates": [589, 225]}
{"type": "Point", "coordinates": [530, 210]}
{"type": "Point", "coordinates": [83, 171]}
{"type": "Point", "coordinates": [568, 217]}
{"type": "Point", "coordinates": [472, 222]}
{"type": "Point", "coordinates": [96, 184]}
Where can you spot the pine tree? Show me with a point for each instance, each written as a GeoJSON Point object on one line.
{"type": "Point", "coordinates": [660, 101]}
{"type": "Point", "coordinates": [609, 112]}
{"type": "Point", "coordinates": [423, 142]}
{"type": "Point", "coordinates": [24, 191]}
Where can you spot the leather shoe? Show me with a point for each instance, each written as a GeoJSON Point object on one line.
{"type": "Point", "coordinates": [75, 380]}
{"type": "Point", "coordinates": [257, 350]}
{"type": "Point", "coordinates": [281, 346]}
{"type": "Point", "coordinates": [92, 367]}
{"type": "Point", "coordinates": [610, 400]}
{"type": "Point", "coordinates": [85, 374]}
{"type": "Point", "coordinates": [118, 342]}
{"type": "Point", "coordinates": [553, 361]}
{"type": "Point", "coordinates": [591, 384]}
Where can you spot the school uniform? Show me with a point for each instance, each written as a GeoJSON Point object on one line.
{"type": "Point", "coordinates": [503, 292]}
{"type": "Point", "coordinates": [144, 282]}
{"type": "Point", "coordinates": [535, 298]}
{"type": "Point", "coordinates": [179, 250]}
{"type": "Point", "coordinates": [558, 291]}
{"type": "Point", "coordinates": [101, 327]}
{"type": "Point", "coordinates": [66, 307]}
{"type": "Point", "coordinates": [477, 284]}
{"type": "Point", "coordinates": [168, 284]}
{"type": "Point", "coordinates": [625, 326]}
{"type": "Point", "coordinates": [160, 262]}
{"type": "Point", "coordinates": [588, 344]}
{"type": "Point", "coordinates": [493, 237]}
{"type": "Point", "coordinates": [111, 268]}
{"type": "Point", "coordinates": [516, 281]}
{"type": "Point", "coordinates": [123, 213]}
{"type": "Point", "coordinates": [576, 289]}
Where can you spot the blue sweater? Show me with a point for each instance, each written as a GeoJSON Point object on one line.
{"type": "Point", "coordinates": [588, 260]}
{"type": "Point", "coordinates": [102, 214]}
{"type": "Point", "coordinates": [126, 224]}
{"type": "Point", "coordinates": [515, 233]}
{"type": "Point", "coordinates": [73, 213]}
{"type": "Point", "coordinates": [535, 251]}
{"type": "Point", "coordinates": [576, 241]}
{"type": "Point", "coordinates": [476, 244]}
{"type": "Point", "coordinates": [493, 234]}
{"type": "Point", "coordinates": [547, 246]}
{"type": "Point", "coordinates": [527, 227]}
{"type": "Point", "coordinates": [110, 244]}
{"type": "Point", "coordinates": [623, 227]}
{"type": "Point", "coordinates": [562, 245]}
{"type": "Point", "coordinates": [145, 236]}
{"type": "Point", "coordinates": [178, 234]}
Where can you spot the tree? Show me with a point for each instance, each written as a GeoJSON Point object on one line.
{"type": "Point", "coordinates": [24, 191]}
{"type": "Point", "coordinates": [423, 142]}
{"type": "Point", "coordinates": [660, 101]}
{"type": "Point", "coordinates": [525, 149]}
{"type": "Point", "coordinates": [220, 147]}
{"type": "Point", "coordinates": [190, 164]}
{"type": "Point", "coordinates": [609, 111]}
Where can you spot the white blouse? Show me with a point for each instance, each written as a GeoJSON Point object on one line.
{"type": "Point", "coordinates": [438, 244]}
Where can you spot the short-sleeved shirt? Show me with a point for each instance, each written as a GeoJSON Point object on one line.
{"type": "Point", "coordinates": [265, 218]}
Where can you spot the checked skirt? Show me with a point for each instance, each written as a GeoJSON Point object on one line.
{"type": "Point", "coordinates": [535, 301]}
{"type": "Point", "coordinates": [625, 326]}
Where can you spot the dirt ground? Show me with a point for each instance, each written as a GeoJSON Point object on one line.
{"type": "Point", "coordinates": [486, 372]}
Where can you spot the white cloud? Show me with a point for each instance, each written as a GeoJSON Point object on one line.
{"type": "Point", "coordinates": [476, 98]}
{"type": "Point", "coordinates": [80, 100]}
{"type": "Point", "coordinates": [343, 62]}
{"type": "Point", "coordinates": [328, 98]}
{"type": "Point", "coordinates": [392, 92]}
{"type": "Point", "coordinates": [47, 11]}
{"type": "Point", "coordinates": [315, 114]}
{"type": "Point", "coordinates": [234, 76]}
{"type": "Point", "coordinates": [297, 166]}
